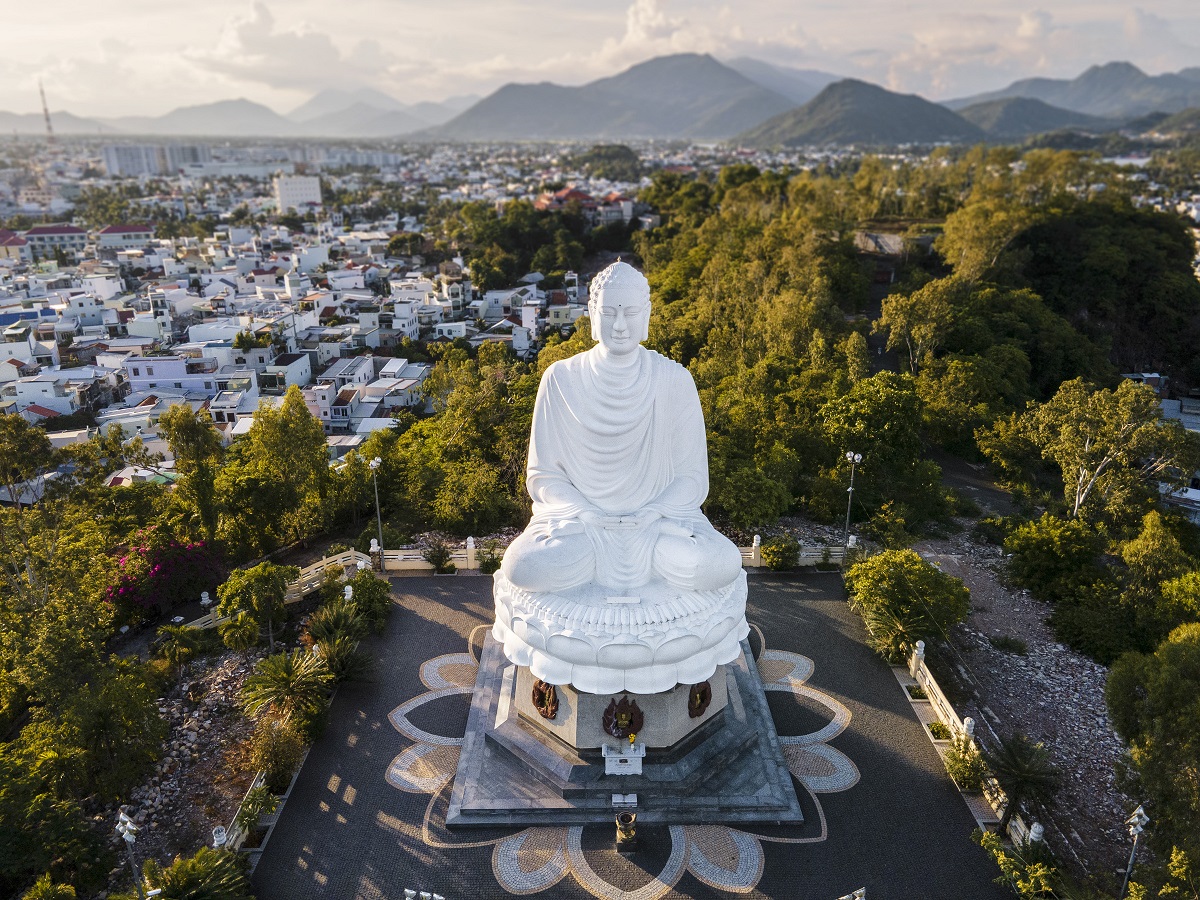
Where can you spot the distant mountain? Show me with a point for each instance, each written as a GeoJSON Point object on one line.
{"type": "Point", "coordinates": [332, 101]}
{"type": "Point", "coordinates": [683, 96]}
{"type": "Point", "coordinates": [437, 113]}
{"type": "Point", "coordinates": [854, 112]}
{"type": "Point", "coordinates": [1186, 122]}
{"type": "Point", "coordinates": [226, 118]}
{"type": "Point", "coordinates": [361, 120]}
{"type": "Point", "coordinates": [798, 85]}
{"type": "Point", "coordinates": [1019, 117]}
{"type": "Point", "coordinates": [1117, 89]}
{"type": "Point", "coordinates": [64, 123]}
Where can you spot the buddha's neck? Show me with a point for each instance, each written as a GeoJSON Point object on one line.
{"type": "Point", "coordinates": [617, 362]}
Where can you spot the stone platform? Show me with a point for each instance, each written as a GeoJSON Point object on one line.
{"type": "Point", "coordinates": [512, 772]}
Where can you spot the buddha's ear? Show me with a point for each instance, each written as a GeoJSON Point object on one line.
{"type": "Point", "coordinates": [644, 325]}
{"type": "Point", "coordinates": [594, 319]}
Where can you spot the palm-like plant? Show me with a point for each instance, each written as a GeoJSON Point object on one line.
{"type": "Point", "coordinates": [340, 619]}
{"type": "Point", "coordinates": [344, 659]}
{"type": "Point", "coordinates": [288, 684]}
{"type": "Point", "coordinates": [209, 875]}
{"type": "Point", "coordinates": [180, 645]}
{"type": "Point", "coordinates": [1024, 772]}
{"type": "Point", "coordinates": [239, 632]}
{"type": "Point", "coordinates": [45, 889]}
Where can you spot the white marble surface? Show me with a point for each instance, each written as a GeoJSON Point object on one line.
{"type": "Point", "coordinates": [617, 472]}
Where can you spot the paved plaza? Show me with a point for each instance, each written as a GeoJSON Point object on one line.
{"type": "Point", "coordinates": [366, 816]}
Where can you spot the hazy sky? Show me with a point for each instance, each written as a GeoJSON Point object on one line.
{"type": "Point", "coordinates": [150, 56]}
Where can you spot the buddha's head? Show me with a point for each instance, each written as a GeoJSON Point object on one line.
{"type": "Point", "coordinates": [619, 307]}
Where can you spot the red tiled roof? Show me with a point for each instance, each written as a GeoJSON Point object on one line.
{"type": "Point", "coordinates": [55, 229]}
{"type": "Point", "coordinates": [124, 229]}
{"type": "Point", "coordinates": [42, 411]}
{"type": "Point", "coordinates": [14, 240]}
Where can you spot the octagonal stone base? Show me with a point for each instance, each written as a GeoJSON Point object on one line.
{"type": "Point", "coordinates": [579, 721]}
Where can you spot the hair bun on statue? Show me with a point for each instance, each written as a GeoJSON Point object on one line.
{"type": "Point", "coordinates": [620, 279]}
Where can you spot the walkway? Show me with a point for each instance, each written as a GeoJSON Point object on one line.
{"type": "Point", "coordinates": [364, 819]}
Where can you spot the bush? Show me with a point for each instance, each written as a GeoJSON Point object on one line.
{"type": "Point", "coordinates": [940, 731]}
{"type": "Point", "coordinates": [888, 527]}
{"type": "Point", "coordinates": [258, 802]}
{"type": "Point", "coordinates": [160, 573]}
{"type": "Point", "coordinates": [965, 764]}
{"type": "Point", "coordinates": [210, 873]}
{"type": "Point", "coordinates": [1009, 644]}
{"type": "Point", "coordinates": [372, 595]}
{"type": "Point", "coordinates": [992, 530]}
{"type": "Point", "coordinates": [489, 558]}
{"type": "Point", "coordinates": [916, 692]}
{"type": "Point", "coordinates": [781, 553]}
{"type": "Point", "coordinates": [392, 538]}
{"type": "Point", "coordinates": [336, 548]}
{"type": "Point", "coordinates": [1052, 557]}
{"type": "Point", "coordinates": [276, 748]}
{"type": "Point", "coordinates": [904, 599]}
{"type": "Point", "coordinates": [437, 554]}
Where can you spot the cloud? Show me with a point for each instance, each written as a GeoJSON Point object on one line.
{"type": "Point", "coordinates": [251, 47]}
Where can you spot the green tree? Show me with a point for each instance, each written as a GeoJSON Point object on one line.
{"type": "Point", "coordinates": [904, 599]}
{"type": "Point", "coordinates": [1025, 774]}
{"type": "Point", "coordinates": [1112, 448]}
{"type": "Point", "coordinates": [373, 597]}
{"type": "Point", "coordinates": [240, 631]}
{"type": "Point", "coordinates": [1053, 558]}
{"type": "Point", "coordinates": [1154, 701]}
{"type": "Point", "coordinates": [260, 591]}
{"type": "Point", "coordinates": [196, 447]}
{"type": "Point", "coordinates": [917, 323]}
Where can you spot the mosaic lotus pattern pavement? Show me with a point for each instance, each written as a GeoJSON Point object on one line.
{"type": "Point", "coordinates": [533, 860]}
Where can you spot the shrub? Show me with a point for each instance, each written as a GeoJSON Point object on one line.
{"type": "Point", "coordinates": [940, 731]}
{"type": "Point", "coordinates": [160, 573]}
{"type": "Point", "coordinates": [916, 692]}
{"type": "Point", "coordinates": [1009, 644]}
{"type": "Point", "coordinates": [373, 597]}
{"type": "Point", "coordinates": [210, 873]}
{"type": "Point", "coordinates": [781, 553]}
{"type": "Point", "coordinates": [903, 599]}
{"type": "Point", "coordinates": [991, 530]}
{"type": "Point", "coordinates": [1054, 557]}
{"type": "Point", "coordinates": [392, 538]}
{"type": "Point", "coordinates": [344, 659]}
{"type": "Point", "coordinates": [258, 802]}
{"type": "Point", "coordinates": [276, 748]}
{"type": "Point", "coordinates": [489, 558]}
{"type": "Point", "coordinates": [965, 764]}
{"type": "Point", "coordinates": [437, 554]}
{"type": "Point", "coordinates": [336, 548]}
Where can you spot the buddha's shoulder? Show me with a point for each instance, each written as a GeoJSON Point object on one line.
{"type": "Point", "coordinates": [667, 367]}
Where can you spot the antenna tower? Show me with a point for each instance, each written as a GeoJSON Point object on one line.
{"type": "Point", "coordinates": [46, 114]}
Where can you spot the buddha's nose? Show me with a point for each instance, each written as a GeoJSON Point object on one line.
{"type": "Point", "coordinates": [619, 325]}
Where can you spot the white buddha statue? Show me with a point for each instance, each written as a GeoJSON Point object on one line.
{"type": "Point", "coordinates": [617, 463]}
{"type": "Point", "coordinates": [617, 471]}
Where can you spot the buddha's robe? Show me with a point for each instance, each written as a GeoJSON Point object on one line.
{"type": "Point", "coordinates": [625, 443]}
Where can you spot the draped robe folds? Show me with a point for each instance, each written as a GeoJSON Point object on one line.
{"type": "Point", "coordinates": [618, 441]}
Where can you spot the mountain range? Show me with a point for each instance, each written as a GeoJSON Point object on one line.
{"type": "Point", "coordinates": [688, 95]}
{"type": "Point", "coordinates": [1116, 89]}
{"type": "Point", "coordinates": [692, 96]}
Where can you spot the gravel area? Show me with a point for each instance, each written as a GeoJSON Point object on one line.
{"type": "Point", "coordinates": [201, 779]}
{"type": "Point", "coordinates": [1051, 694]}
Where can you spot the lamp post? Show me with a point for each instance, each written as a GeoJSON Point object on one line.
{"type": "Point", "coordinates": [128, 830]}
{"type": "Point", "coordinates": [374, 465]}
{"type": "Point", "coordinates": [1136, 822]}
{"type": "Point", "coordinates": [854, 459]}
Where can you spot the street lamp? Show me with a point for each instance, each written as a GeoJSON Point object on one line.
{"type": "Point", "coordinates": [128, 830]}
{"type": "Point", "coordinates": [374, 465]}
{"type": "Point", "coordinates": [1136, 822]}
{"type": "Point", "coordinates": [854, 459]}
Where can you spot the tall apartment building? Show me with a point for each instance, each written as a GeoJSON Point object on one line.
{"type": "Point", "coordinates": [296, 192]}
{"type": "Point", "coordinates": [153, 159]}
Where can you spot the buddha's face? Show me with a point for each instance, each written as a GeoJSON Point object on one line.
{"type": "Point", "coordinates": [620, 321]}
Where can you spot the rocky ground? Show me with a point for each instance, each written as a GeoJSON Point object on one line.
{"type": "Point", "coordinates": [202, 777]}
{"type": "Point", "coordinates": [1050, 693]}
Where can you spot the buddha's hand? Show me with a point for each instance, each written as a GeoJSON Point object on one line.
{"type": "Point", "coordinates": [678, 528]}
{"type": "Point", "coordinates": [564, 527]}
